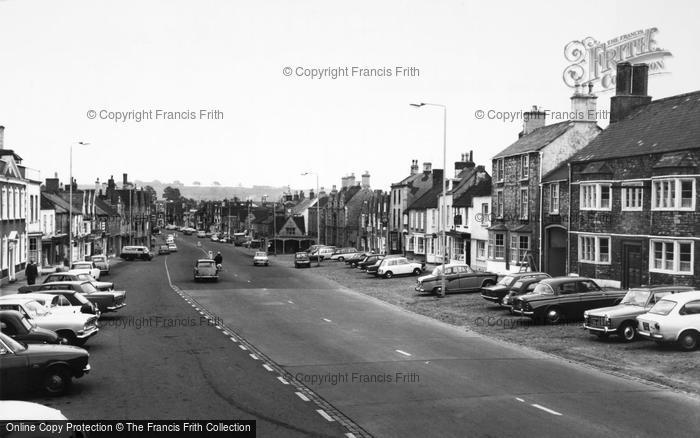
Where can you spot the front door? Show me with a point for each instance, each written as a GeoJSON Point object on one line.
{"type": "Point", "coordinates": [556, 252]}
{"type": "Point", "coordinates": [631, 265]}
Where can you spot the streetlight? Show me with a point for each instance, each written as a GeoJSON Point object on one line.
{"type": "Point", "coordinates": [318, 217]}
{"type": "Point", "coordinates": [70, 202]}
{"type": "Point", "coordinates": [444, 189]}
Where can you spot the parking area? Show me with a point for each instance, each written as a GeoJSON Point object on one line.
{"type": "Point", "coordinates": [641, 359]}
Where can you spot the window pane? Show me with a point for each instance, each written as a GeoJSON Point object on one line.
{"type": "Point", "coordinates": [604, 249]}
{"type": "Point", "coordinates": [668, 256]}
{"type": "Point", "coordinates": [604, 196]}
{"type": "Point", "coordinates": [658, 255]}
{"type": "Point", "coordinates": [685, 257]}
{"type": "Point", "coordinates": [686, 194]}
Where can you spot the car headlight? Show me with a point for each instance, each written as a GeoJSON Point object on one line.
{"type": "Point", "coordinates": [608, 321]}
{"type": "Point", "coordinates": [585, 314]}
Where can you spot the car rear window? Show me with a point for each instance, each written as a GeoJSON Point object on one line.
{"type": "Point", "coordinates": [663, 307]}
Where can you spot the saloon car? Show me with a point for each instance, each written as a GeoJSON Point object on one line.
{"type": "Point", "coordinates": [105, 300]}
{"type": "Point", "coordinates": [69, 276]}
{"type": "Point", "coordinates": [260, 259]}
{"type": "Point", "coordinates": [301, 259]}
{"type": "Point", "coordinates": [65, 300]}
{"type": "Point", "coordinates": [520, 287]}
{"type": "Point", "coordinates": [501, 289]}
{"type": "Point", "coordinates": [163, 249]}
{"type": "Point", "coordinates": [102, 263]}
{"type": "Point", "coordinates": [673, 319]}
{"type": "Point", "coordinates": [391, 267]}
{"type": "Point", "coordinates": [76, 328]}
{"type": "Point", "coordinates": [564, 298]}
{"type": "Point", "coordinates": [355, 258]}
{"type": "Point", "coordinates": [622, 319]}
{"type": "Point", "coordinates": [49, 367]}
{"type": "Point", "coordinates": [205, 269]}
{"type": "Point", "coordinates": [172, 247]}
{"type": "Point", "coordinates": [21, 328]}
{"type": "Point", "coordinates": [321, 252]}
{"type": "Point", "coordinates": [88, 267]}
{"type": "Point", "coordinates": [135, 253]}
{"type": "Point", "coordinates": [458, 278]}
{"type": "Point", "coordinates": [341, 254]}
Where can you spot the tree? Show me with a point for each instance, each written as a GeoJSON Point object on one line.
{"type": "Point", "coordinates": [196, 183]}
{"type": "Point", "coordinates": [152, 192]}
{"type": "Point", "coordinates": [171, 194]}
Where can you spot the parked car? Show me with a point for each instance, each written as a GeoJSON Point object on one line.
{"type": "Point", "coordinates": [76, 328]}
{"type": "Point", "coordinates": [343, 253]}
{"type": "Point", "coordinates": [622, 319]}
{"type": "Point", "coordinates": [373, 269]}
{"type": "Point", "coordinates": [368, 261]}
{"type": "Point", "coordinates": [68, 276]}
{"type": "Point", "coordinates": [321, 253]}
{"type": "Point", "coordinates": [136, 252]}
{"type": "Point", "coordinates": [187, 231]}
{"type": "Point", "coordinates": [205, 269]}
{"type": "Point", "coordinates": [22, 329]}
{"type": "Point", "coordinates": [520, 287]}
{"type": "Point", "coordinates": [59, 304]}
{"type": "Point", "coordinates": [673, 319]}
{"type": "Point", "coordinates": [301, 259]}
{"type": "Point", "coordinates": [391, 267]}
{"type": "Point", "coordinates": [76, 301]}
{"type": "Point", "coordinates": [260, 258]}
{"type": "Point", "coordinates": [15, 410]}
{"type": "Point", "coordinates": [102, 263]}
{"type": "Point", "coordinates": [172, 247]}
{"type": "Point", "coordinates": [105, 300]}
{"type": "Point", "coordinates": [163, 249]}
{"type": "Point", "coordinates": [88, 267]}
{"type": "Point", "coordinates": [201, 234]}
{"type": "Point", "coordinates": [556, 299]}
{"type": "Point", "coordinates": [458, 278]}
{"type": "Point", "coordinates": [497, 292]}
{"type": "Point", "coordinates": [50, 367]}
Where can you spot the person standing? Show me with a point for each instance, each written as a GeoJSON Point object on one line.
{"type": "Point", "coordinates": [31, 272]}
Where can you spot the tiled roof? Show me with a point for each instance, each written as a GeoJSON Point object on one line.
{"type": "Point", "coordinates": [482, 188]}
{"type": "Point", "coordinates": [664, 125]}
{"type": "Point", "coordinates": [559, 173]}
{"type": "Point", "coordinates": [536, 140]}
{"type": "Point", "coordinates": [428, 200]}
{"type": "Point", "coordinates": [56, 202]}
{"type": "Point", "coordinates": [303, 205]}
{"type": "Point", "coordinates": [103, 208]}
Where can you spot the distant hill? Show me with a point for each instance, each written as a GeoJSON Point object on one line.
{"type": "Point", "coordinates": [216, 192]}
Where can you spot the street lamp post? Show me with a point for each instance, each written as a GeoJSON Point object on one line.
{"type": "Point", "coordinates": [444, 190]}
{"type": "Point", "coordinates": [318, 217]}
{"type": "Point", "coordinates": [70, 202]}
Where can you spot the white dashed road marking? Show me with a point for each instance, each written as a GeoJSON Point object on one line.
{"type": "Point", "coordinates": [268, 367]}
{"type": "Point", "coordinates": [327, 320]}
{"type": "Point", "coordinates": [403, 352]}
{"type": "Point", "coordinates": [283, 381]}
{"type": "Point", "coordinates": [520, 400]}
{"type": "Point", "coordinates": [302, 396]}
{"type": "Point", "coordinates": [242, 347]}
{"type": "Point", "coordinates": [324, 415]}
{"type": "Point", "coordinates": [254, 357]}
{"type": "Point", "coordinates": [549, 411]}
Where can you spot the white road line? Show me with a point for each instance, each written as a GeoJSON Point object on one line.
{"type": "Point", "coordinates": [290, 301]}
{"type": "Point", "coordinates": [267, 367]}
{"type": "Point", "coordinates": [243, 347]}
{"type": "Point", "coordinates": [350, 435]}
{"type": "Point", "coordinates": [324, 415]}
{"type": "Point", "coordinates": [254, 357]}
{"type": "Point", "coordinates": [302, 396]}
{"type": "Point", "coordinates": [403, 352]}
{"type": "Point", "coordinates": [546, 409]}
{"type": "Point", "coordinates": [248, 281]}
{"type": "Point", "coordinates": [219, 327]}
{"type": "Point", "coordinates": [283, 381]}
{"type": "Point", "coordinates": [520, 400]}
{"type": "Point", "coordinates": [327, 320]}
{"type": "Point", "coordinates": [226, 333]}
{"type": "Point", "coordinates": [233, 339]}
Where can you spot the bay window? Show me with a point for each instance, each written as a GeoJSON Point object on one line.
{"type": "Point", "coordinates": [673, 194]}
{"type": "Point", "coordinates": [672, 256]}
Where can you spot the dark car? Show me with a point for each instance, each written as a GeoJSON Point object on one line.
{"type": "Point", "coordinates": [22, 329]}
{"type": "Point", "coordinates": [458, 278]}
{"type": "Point", "coordinates": [355, 258]}
{"type": "Point", "coordinates": [521, 287]}
{"type": "Point", "coordinates": [564, 298]}
{"type": "Point", "coordinates": [622, 319]}
{"type": "Point", "coordinates": [500, 290]}
{"type": "Point", "coordinates": [106, 301]}
{"type": "Point", "coordinates": [373, 269]}
{"type": "Point", "coordinates": [369, 261]}
{"type": "Point", "coordinates": [40, 366]}
{"type": "Point", "coordinates": [205, 269]}
{"type": "Point", "coordinates": [163, 249]}
{"type": "Point", "coordinates": [301, 259]}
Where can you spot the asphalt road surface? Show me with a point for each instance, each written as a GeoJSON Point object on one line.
{"type": "Point", "coordinates": [304, 357]}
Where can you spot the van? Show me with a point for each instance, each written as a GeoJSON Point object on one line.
{"type": "Point", "coordinates": [135, 252]}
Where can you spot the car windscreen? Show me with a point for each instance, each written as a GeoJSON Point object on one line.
{"type": "Point", "coordinates": [636, 297]}
{"type": "Point", "coordinates": [506, 281]}
{"type": "Point", "coordinates": [88, 288]}
{"type": "Point", "coordinates": [260, 254]}
{"type": "Point", "coordinates": [663, 307]}
{"type": "Point", "coordinates": [205, 264]}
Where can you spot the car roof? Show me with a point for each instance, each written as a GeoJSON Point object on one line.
{"type": "Point", "coordinates": [42, 296]}
{"type": "Point", "coordinates": [69, 282]}
{"type": "Point", "coordinates": [556, 280]}
{"type": "Point", "coordinates": [16, 299]}
{"type": "Point", "coordinates": [205, 260]}
{"type": "Point", "coordinates": [683, 297]}
{"type": "Point", "coordinates": [662, 287]}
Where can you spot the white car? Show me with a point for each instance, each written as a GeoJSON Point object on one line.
{"type": "Point", "coordinates": [90, 266]}
{"type": "Point", "coordinates": [673, 319]}
{"type": "Point", "coordinates": [76, 328]}
{"type": "Point", "coordinates": [172, 247]}
{"type": "Point", "coordinates": [55, 303]}
{"type": "Point", "coordinates": [398, 266]}
{"type": "Point", "coordinates": [14, 410]}
{"type": "Point", "coordinates": [260, 258]}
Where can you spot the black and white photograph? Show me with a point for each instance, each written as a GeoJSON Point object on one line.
{"type": "Point", "coordinates": [351, 219]}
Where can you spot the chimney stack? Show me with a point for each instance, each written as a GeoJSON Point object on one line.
{"type": "Point", "coordinates": [534, 119]}
{"type": "Point", "coordinates": [52, 185]}
{"type": "Point", "coordinates": [583, 104]}
{"type": "Point", "coordinates": [630, 91]}
{"type": "Point", "coordinates": [414, 167]}
{"type": "Point", "coordinates": [464, 163]}
{"type": "Point", "coordinates": [351, 180]}
{"type": "Point", "coordinates": [125, 180]}
{"type": "Point", "coordinates": [427, 168]}
{"type": "Point", "coordinates": [312, 194]}
{"type": "Point", "coordinates": [365, 180]}
{"type": "Point", "coordinates": [2, 137]}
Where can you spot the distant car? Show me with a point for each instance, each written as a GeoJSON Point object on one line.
{"type": "Point", "coordinates": [49, 367]}
{"type": "Point", "coordinates": [353, 259]}
{"type": "Point", "coordinates": [22, 329]}
{"type": "Point", "coordinates": [392, 267]}
{"type": "Point", "coordinates": [201, 234]}
{"type": "Point", "coordinates": [187, 231]}
{"type": "Point", "coordinates": [260, 258]}
{"type": "Point", "coordinates": [205, 269]}
{"type": "Point", "coordinates": [214, 237]}
{"type": "Point", "coordinates": [458, 278]}
{"type": "Point", "coordinates": [622, 319]}
{"type": "Point", "coordinates": [368, 261]}
{"type": "Point", "coordinates": [301, 259]}
{"type": "Point", "coordinates": [102, 263]}
{"type": "Point", "coordinates": [673, 319]}
{"type": "Point", "coordinates": [564, 298]}
{"type": "Point", "coordinates": [497, 292]}
{"type": "Point", "coordinates": [87, 267]}
{"type": "Point", "coordinates": [321, 253]}
{"type": "Point", "coordinates": [172, 247]}
{"type": "Point", "coordinates": [76, 328]}
{"type": "Point", "coordinates": [341, 254]}
{"type": "Point", "coordinates": [105, 300]}
{"type": "Point", "coordinates": [163, 249]}
{"type": "Point", "coordinates": [136, 252]}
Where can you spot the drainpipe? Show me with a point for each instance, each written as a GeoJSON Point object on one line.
{"type": "Point", "coordinates": [539, 231]}
{"type": "Point", "coordinates": [568, 231]}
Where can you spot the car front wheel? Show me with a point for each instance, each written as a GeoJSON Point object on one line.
{"type": "Point", "coordinates": [388, 274]}
{"type": "Point", "coordinates": [628, 331]}
{"type": "Point", "coordinates": [554, 315]}
{"type": "Point", "coordinates": [340, 259]}
{"type": "Point", "coordinates": [688, 340]}
{"type": "Point", "coordinates": [416, 271]}
{"type": "Point", "coordinates": [57, 381]}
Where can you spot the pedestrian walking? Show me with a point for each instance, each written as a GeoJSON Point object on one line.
{"type": "Point", "coordinates": [31, 272]}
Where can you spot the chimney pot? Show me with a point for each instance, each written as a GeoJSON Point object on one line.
{"type": "Point", "coordinates": [623, 79]}
{"type": "Point", "coordinates": [533, 120]}
{"type": "Point", "coordinates": [631, 90]}
{"type": "Point", "coordinates": [427, 167]}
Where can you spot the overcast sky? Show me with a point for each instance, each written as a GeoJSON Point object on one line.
{"type": "Point", "coordinates": [62, 59]}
